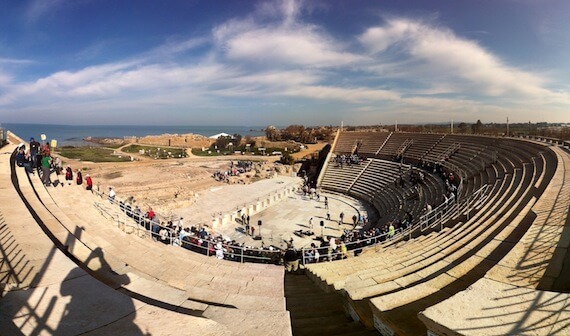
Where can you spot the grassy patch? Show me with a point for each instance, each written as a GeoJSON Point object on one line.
{"type": "Point", "coordinates": [156, 152]}
{"type": "Point", "coordinates": [113, 175]}
{"type": "Point", "coordinates": [113, 145]}
{"type": "Point", "coordinates": [93, 154]}
{"type": "Point", "coordinates": [254, 151]}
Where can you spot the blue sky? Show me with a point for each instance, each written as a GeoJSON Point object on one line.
{"type": "Point", "coordinates": [213, 62]}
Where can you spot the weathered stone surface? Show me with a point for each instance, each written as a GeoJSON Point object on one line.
{"type": "Point", "coordinates": [490, 307]}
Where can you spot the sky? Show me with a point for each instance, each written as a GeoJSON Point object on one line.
{"type": "Point", "coordinates": [238, 62]}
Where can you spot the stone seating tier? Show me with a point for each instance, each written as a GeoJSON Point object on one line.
{"type": "Point", "coordinates": [341, 179]}
{"type": "Point", "coordinates": [223, 291]}
{"type": "Point", "coordinates": [332, 272]}
{"type": "Point", "coordinates": [511, 298]}
{"type": "Point", "coordinates": [44, 292]}
{"type": "Point", "coordinates": [386, 306]}
{"type": "Point", "coordinates": [498, 190]}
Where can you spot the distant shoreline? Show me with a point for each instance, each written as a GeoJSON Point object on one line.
{"type": "Point", "coordinates": [73, 135]}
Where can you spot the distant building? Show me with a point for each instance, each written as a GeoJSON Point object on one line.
{"type": "Point", "coordinates": [215, 136]}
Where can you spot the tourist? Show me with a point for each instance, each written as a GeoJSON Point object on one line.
{"type": "Point", "coordinates": [68, 175]}
{"type": "Point", "coordinates": [331, 248]}
{"type": "Point", "coordinates": [343, 250]}
{"type": "Point", "coordinates": [341, 217]}
{"type": "Point", "coordinates": [79, 177]}
{"type": "Point", "coordinates": [45, 150]}
{"type": "Point", "coordinates": [219, 251]}
{"type": "Point", "coordinates": [291, 260]}
{"type": "Point", "coordinates": [326, 202]}
{"type": "Point", "coordinates": [328, 215]}
{"type": "Point", "coordinates": [34, 150]}
{"type": "Point", "coordinates": [252, 231]}
{"type": "Point", "coordinates": [46, 170]}
{"type": "Point", "coordinates": [311, 223]}
{"type": "Point", "coordinates": [112, 195]}
{"type": "Point", "coordinates": [58, 165]}
{"type": "Point", "coordinates": [22, 160]}
{"type": "Point", "coordinates": [391, 231]}
{"type": "Point", "coordinates": [89, 182]}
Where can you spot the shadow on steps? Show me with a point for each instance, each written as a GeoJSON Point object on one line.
{"type": "Point", "coordinates": [314, 312]}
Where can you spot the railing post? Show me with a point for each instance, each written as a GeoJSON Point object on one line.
{"type": "Point", "coordinates": [208, 249]}
{"type": "Point", "coordinates": [241, 254]}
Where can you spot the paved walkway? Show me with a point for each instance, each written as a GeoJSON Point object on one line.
{"type": "Point", "coordinates": [225, 198]}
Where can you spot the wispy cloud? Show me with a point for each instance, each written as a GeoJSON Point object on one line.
{"type": "Point", "coordinates": [39, 8]}
{"type": "Point", "coordinates": [440, 55]}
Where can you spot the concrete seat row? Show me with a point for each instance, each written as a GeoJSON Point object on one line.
{"type": "Point", "coordinates": [369, 142]}
{"type": "Point", "coordinates": [220, 290]}
{"type": "Point", "coordinates": [520, 162]}
{"type": "Point", "coordinates": [527, 291]}
{"type": "Point", "coordinates": [366, 261]}
{"type": "Point", "coordinates": [341, 179]}
{"type": "Point", "coordinates": [481, 253]}
{"type": "Point", "coordinates": [45, 292]}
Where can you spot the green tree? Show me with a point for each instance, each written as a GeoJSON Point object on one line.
{"type": "Point", "coordinates": [272, 133]}
{"type": "Point", "coordinates": [477, 127]}
{"type": "Point", "coordinates": [287, 159]}
{"type": "Point", "coordinates": [462, 128]}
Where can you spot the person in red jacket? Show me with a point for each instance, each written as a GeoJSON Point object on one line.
{"type": "Point", "coordinates": [89, 182]}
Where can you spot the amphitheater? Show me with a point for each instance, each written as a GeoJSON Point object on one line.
{"type": "Point", "coordinates": [493, 261]}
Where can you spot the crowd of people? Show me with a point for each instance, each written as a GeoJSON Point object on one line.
{"type": "Point", "coordinates": [39, 158]}
{"type": "Point", "coordinates": [348, 160]}
{"type": "Point", "coordinates": [198, 239]}
{"type": "Point", "coordinates": [240, 167]}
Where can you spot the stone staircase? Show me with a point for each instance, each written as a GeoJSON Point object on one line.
{"type": "Point", "coordinates": [314, 312]}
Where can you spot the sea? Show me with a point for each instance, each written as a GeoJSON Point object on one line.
{"type": "Point", "coordinates": [74, 135]}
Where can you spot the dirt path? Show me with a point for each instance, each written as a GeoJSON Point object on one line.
{"type": "Point", "coordinates": [312, 148]}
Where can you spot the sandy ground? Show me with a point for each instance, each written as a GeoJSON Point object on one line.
{"type": "Point", "coordinates": [175, 185]}
{"type": "Point", "coordinates": [185, 188]}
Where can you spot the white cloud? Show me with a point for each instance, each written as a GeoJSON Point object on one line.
{"type": "Point", "coordinates": [287, 41]}
{"type": "Point", "coordinates": [352, 95]}
{"type": "Point", "coordinates": [38, 8]}
{"type": "Point", "coordinates": [438, 55]}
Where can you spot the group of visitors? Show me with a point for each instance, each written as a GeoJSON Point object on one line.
{"type": "Point", "coordinates": [39, 158]}
{"type": "Point", "coordinates": [197, 239]}
{"type": "Point", "coordinates": [348, 160]}
{"type": "Point", "coordinates": [235, 169]}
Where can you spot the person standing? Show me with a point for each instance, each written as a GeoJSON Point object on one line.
{"type": "Point", "coordinates": [46, 167]}
{"type": "Point", "coordinates": [68, 175]}
{"type": "Point", "coordinates": [34, 150]}
{"type": "Point", "coordinates": [112, 195]}
{"type": "Point", "coordinates": [291, 260]}
{"type": "Point", "coordinates": [326, 202]}
{"type": "Point", "coordinates": [391, 231]}
{"type": "Point", "coordinates": [341, 217]}
{"type": "Point", "coordinates": [79, 177]}
{"type": "Point", "coordinates": [89, 182]}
